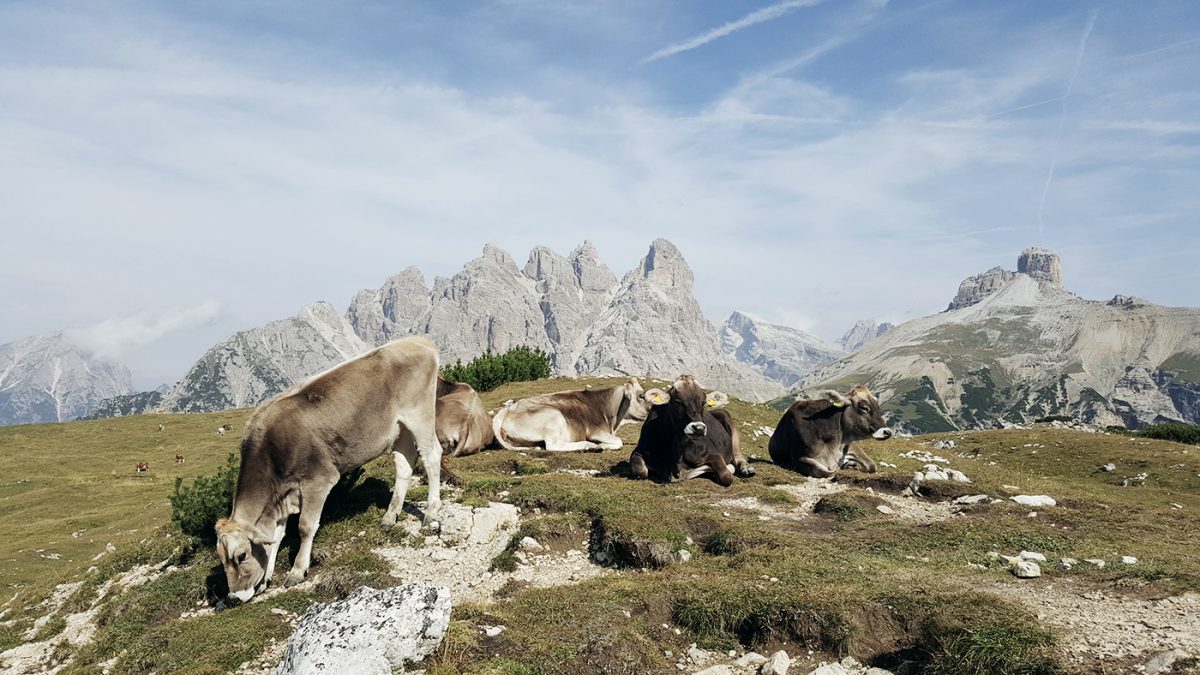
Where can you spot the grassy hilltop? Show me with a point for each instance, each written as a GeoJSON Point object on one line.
{"type": "Point", "coordinates": [766, 569]}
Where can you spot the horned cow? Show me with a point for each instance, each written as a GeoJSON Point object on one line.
{"type": "Point", "coordinates": [686, 436]}
{"type": "Point", "coordinates": [298, 444]}
{"type": "Point", "coordinates": [817, 437]}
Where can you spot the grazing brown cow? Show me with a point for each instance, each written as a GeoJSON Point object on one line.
{"type": "Point", "coordinates": [179, 458]}
{"type": "Point", "coordinates": [586, 419]}
{"type": "Point", "coordinates": [299, 443]}
{"type": "Point", "coordinates": [817, 437]}
{"type": "Point", "coordinates": [142, 467]}
{"type": "Point", "coordinates": [463, 425]}
{"type": "Point", "coordinates": [685, 436]}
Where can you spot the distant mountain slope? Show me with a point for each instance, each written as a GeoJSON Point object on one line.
{"type": "Point", "coordinates": [781, 353]}
{"type": "Point", "coordinates": [1015, 346]}
{"type": "Point", "coordinates": [649, 323]}
{"type": "Point", "coordinates": [47, 378]}
{"type": "Point", "coordinates": [861, 333]}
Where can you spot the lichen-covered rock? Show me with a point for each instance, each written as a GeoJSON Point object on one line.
{"type": "Point", "coordinates": [370, 631]}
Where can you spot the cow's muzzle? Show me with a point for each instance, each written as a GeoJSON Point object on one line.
{"type": "Point", "coordinates": [882, 434]}
{"type": "Point", "coordinates": [695, 430]}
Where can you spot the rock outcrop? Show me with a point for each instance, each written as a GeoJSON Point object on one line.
{"type": "Point", "coordinates": [779, 352]}
{"type": "Point", "coordinates": [861, 333]}
{"type": "Point", "coordinates": [47, 378]}
{"type": "Point", "coordinates": [1017, 346]}
{"type": "Point", "coordinates": [369, 632]}
{"type": "Point", "coordinates": [570, 306]}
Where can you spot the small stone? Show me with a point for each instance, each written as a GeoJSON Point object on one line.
{"type": "Point", "coordinates": [776, 664]}
{"type": "Point", "coordinates": [716, 670]}
{"type": "Point", "coordinates": [684, 555]}
{"type": "Point", "coordinates": [493, 631]}
{"type": "Point", "coordinates": [1110, 467]}
{"type": "Point", "coordinates": [1094, 562]}
{"type": "Point", "coordinates": [725, 514]}
{"type": "Point", "coordinates": [1034, 500]}
{"type": "Point", "coordinates": [829, 669]}
{"type": "Point", "coordinates": [970, 499]}
{"type": "Point", "coordinates": [976, 566]}
{"type": "Point", "coordinates": [279, 611]}
{"type": "Point", "coordinates": [1067, 563]}
{"type": "Point", "coordinates": [1026, 569]}
{"type": "Point", "coordinates": [530, 544]}
{"type": "Point", "coordinates": [110, 548]}
{"type": "Point", "coordinates": [1031, 555]}
{"type": "Point", "coordinates": [1128, 560]}
{"type": "Point", "coordinates": [884, 509]}
{"type": "Point", "coordinates": [750, 659]}
{"type": "Point", "coordinates": [1163, 661]}
{"type": "Point", "coordinates": [697, 655]}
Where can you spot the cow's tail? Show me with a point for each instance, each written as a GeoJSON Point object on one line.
{"type": "Point", "coordinates": [498, 430]}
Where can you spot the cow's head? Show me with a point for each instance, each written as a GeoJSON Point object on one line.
{"type": "Point", "coordinates": [689, 403]}
{"type": "Point", "coordinates": [243, 554]}
{"type": "Point", "coordinates": [861, 416]}
{"type": "Point", "coordinates": [639, 401]}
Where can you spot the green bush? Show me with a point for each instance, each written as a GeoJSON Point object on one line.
{"type": "Point", "coordinates": [196, 508]}
{"type": "Point", "coordinates": [1180, 433]}
{"type": "Point", "coordinates": [486, 372]}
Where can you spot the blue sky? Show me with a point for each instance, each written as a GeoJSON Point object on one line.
{"type": "Point", "coordinates": [172, 172]}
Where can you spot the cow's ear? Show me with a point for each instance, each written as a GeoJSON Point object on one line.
{"type": "Point", "coordinates": [716, 399]}
{"type": "Point", "coordinates": [657, 396]}
{"type": "Point", "coordinates": [837, 399]}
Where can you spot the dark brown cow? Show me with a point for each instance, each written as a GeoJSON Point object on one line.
{"type": "Point", "coordinates": [586, 419]}
{"type": "Point", "coordinates": [817, 437]}
{"type": "Point", "coordinates": [179, 458]}
{"type": "Point", "coordinates": [685, 437]}
{"type": "Point", "coordinates": [463, 425]}
{"type": "Point", "coordinates": [299, 443]}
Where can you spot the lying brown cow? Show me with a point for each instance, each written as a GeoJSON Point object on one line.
{"type": "Point", "coordinates": [299, 443]}
{"type": "Point", "coordinates": [815, 437]}
{"type": "Point", "coordinates": [463, 425]}
{"type": "Point", "coordinates": [586, 419]}
{"type": "Point", "coordinates": [685, 436]}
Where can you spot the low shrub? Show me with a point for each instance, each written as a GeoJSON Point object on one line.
{"type": "Point", "coordinates": [1178, 432]}
{"type": "Point", "coordinates": [196, 508]}
{"type": "Point", "coordinates": [486, 372]}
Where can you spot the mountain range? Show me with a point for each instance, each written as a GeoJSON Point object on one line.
{"type": "Point", "coordinates": [1015, 346]}
{"type": "Point", "coordinates": [47, 378]}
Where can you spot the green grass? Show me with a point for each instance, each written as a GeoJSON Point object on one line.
{"type": "Point", "coordinates": [847, 580]}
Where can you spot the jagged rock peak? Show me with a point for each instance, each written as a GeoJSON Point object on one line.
{"type": "Point", "coordinates": [665, 266]}
{"type": "Point", "coordinates": [861, 333]}
{"type": "Point", "coordinates": [495, 254]}
{"type": "Point", "coordinates": [591, 274]}
{"type": "Point", "coordinates": [977, 287]}
{"type": "Point", "coordinates": [545, 264]}
{"type": "Point", "coordinates": [1041, 264]}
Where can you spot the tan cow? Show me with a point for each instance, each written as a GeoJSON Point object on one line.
{"type": "Point", "coordinates": [299, 443]}
{"type": "Point", "coordinates": [463, 425]}
{"type": "Point", "coordinates": [586, 419]}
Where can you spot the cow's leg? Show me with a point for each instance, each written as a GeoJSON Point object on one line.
{"type": "Point", "coordinates": [404, 474]}
{"type": "Point", "coordinates": [637, 466]}
{"type": "Point", "coordinates": [312, 501]}
{"type": "Point", "coordinates": [606, 441]}
{"type": "Point", "coordinates": [431, 458]}
{"type": "Point", "coordinates": [273, 549]}
{"type": "Point", "coordinates": [723, 475]}
{"type": "Point", "coordinates": [813, 468]}
{"type": "Point", "coordinates": [855, 453]}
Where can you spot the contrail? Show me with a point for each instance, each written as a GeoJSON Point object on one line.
{"type": "Point", "coordinates": [1062, 117]}
{"type": "Point", "coordinates": [768, 13]}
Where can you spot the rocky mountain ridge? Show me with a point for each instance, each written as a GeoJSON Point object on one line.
{"type": "Point", "coordinates": [1014, 346]}
{"type": "Point", "coordinates": [48, 378]}
{"type": "Point", "coordinates": [648, 323]}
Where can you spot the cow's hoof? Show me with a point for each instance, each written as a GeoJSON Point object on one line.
{"type": "Point", "coordinates": [432, 524]}
{"type": "Point", "coordinates": [293, 578]}
{"type": "Point", "coordinates": [388, 522]}
{"type": "Point", "coordinates": [745, 471]}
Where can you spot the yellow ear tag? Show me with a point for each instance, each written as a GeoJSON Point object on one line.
{"type": "Point", "coordinates": [838, 404]}
{"type": "Point", "coordinates": [657, 399]}
{"type": "Point", "coordinates": [712, 402]}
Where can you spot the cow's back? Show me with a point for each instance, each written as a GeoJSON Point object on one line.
{"type": "Point", "coordinates": [348, 414]}
{"type": "Point", "coordinates": [804, 422]}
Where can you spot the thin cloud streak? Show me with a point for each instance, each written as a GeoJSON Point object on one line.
{"type": "Point", "coordinates": [1062, 119]}
{"type": "Point", "coordinates": [769, 13]}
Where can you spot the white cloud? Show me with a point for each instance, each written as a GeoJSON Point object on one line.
{"type": "Point", "coordinates": [119, 336]}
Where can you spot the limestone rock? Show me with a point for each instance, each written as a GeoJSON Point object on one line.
{"type": "Point", "coordinates": [1034, 500]}
{"type": "Point", "coordinates": [370, 631]}
{"type": "Point", "coordinates": [778, 352]}
{"type": "Point", "coordinates": [777, 664]}
{"type": "Point", "coordinates": [1041, 264]}
{"type": "Point", "coordinates": [976, 288]}
{"type": "Point", "coordinates": [1026, 569]}
{"type": "Point", "coordinates": [50, 378]}
{"type": "Point", "coordinates": [861, 333]}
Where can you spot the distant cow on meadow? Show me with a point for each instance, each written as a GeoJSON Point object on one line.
{"type": "Point", "coordinates": [141, 467]}
{"type": "Point", "coordinates": [686, 436]}
{"type": "Point", "coordinates": [817, 437]}
{"type": "Point", "coordinates": [299, 443]}
{"type": "Point", "coordinates": [572, 420]}
{"type": "Point", "coordinates": [161, 427]}
{"type": "Point", "coordinates": [179, 458]}
{"type": "Point", "coordinates": [223, 428]}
